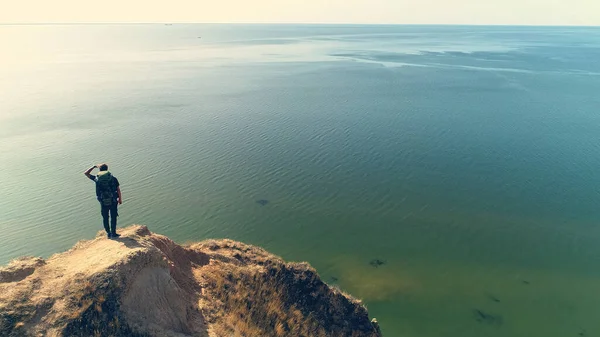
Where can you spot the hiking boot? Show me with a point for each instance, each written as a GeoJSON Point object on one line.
{"type": "Point", "coordinates": [115, 235]}
{"type": "Point", "coordinates": [109, 235]}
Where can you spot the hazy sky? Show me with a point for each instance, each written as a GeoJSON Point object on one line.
{"type": "Point", "coordinates": [532, 12]}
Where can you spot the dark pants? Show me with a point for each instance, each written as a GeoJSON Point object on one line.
{"type": "Point", "coordinates": [105, 210]}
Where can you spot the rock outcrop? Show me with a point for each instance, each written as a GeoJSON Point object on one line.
{"type": "Point", "coordinates": [144, 284]}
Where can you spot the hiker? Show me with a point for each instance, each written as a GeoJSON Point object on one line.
{"type": "Point", "coordinates": [108, 193]}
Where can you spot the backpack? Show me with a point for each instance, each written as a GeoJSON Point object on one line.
{"type": "Point", "coordinates": [105, 188]}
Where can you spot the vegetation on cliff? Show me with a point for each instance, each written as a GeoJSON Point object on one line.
{"type": "Point", "coordinates": [144, 284]}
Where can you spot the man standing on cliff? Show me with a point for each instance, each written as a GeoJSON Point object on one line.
{"type": "Point", "coordinates": [108, 193]}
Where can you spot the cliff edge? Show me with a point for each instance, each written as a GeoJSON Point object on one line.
{"type": "Point", "coordinates": [144, 284]}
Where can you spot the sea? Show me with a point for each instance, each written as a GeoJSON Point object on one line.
{"type": "Point", "coordinates": [447, 176]}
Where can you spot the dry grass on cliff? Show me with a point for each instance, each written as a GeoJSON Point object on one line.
{"type": "Point", "coordinates": [144, 284]}
{"type": "Point", "coordinates": [258, 294]}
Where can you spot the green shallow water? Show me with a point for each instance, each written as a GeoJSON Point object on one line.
{"type": "Point", "coordinates": [463, 157]}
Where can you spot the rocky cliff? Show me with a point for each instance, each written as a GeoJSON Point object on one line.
{"type": "Point", "coordinates": [144, 284]}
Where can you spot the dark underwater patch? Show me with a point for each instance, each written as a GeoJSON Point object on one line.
{"type": "Point", "coordinates": [377, 263]}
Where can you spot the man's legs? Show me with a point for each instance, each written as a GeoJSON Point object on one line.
{"type": "Point", "coordinates": [114, 213]}
{"type": "Point", "coordinates": [104, 211]}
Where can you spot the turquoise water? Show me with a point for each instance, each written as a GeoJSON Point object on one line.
{"type": "Point", "coordinates": [465, 158]}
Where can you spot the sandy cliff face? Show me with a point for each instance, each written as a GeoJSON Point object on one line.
{"type": "Point", "coordinates": [144, 284]}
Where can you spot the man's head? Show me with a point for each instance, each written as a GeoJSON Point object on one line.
{"type": "Point", "coordinates": [103, 167]}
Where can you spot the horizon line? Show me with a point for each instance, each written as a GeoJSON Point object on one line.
{"type": "Point", "coordinates": [291, 23]}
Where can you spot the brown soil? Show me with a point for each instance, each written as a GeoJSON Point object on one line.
{"type": "Point", "coordinates": [144, 284]}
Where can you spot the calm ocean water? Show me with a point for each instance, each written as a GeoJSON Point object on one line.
{"type": "Point", "coordinates": [465, 158]}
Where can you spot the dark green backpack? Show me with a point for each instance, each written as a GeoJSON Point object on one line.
{"type": "Point", "coordinates": [105, 185]}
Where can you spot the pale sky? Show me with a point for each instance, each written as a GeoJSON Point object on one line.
{"type": "Point", "coordinates": [526, 12]}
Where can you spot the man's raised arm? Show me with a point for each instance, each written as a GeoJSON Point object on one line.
{"type": "Point", "coordinates": [87, 173]}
